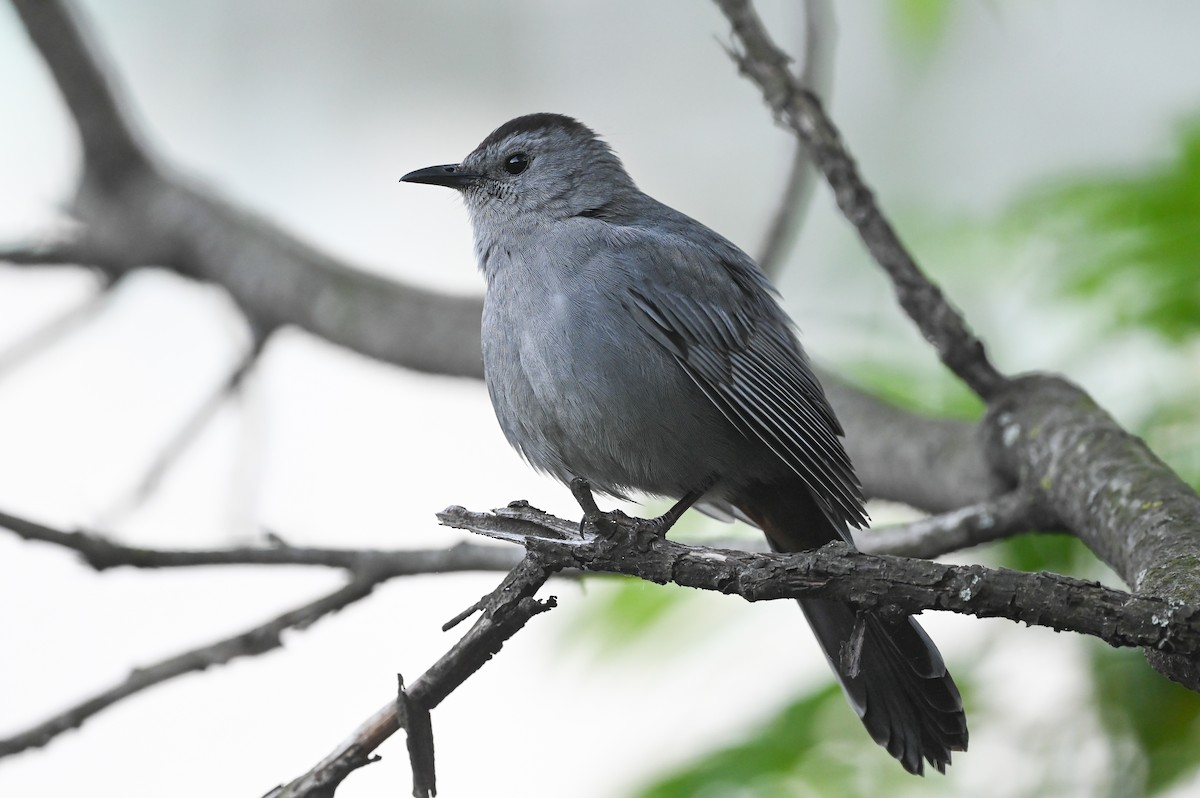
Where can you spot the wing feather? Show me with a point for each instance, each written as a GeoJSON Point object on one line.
{"type": "Point", "coordinates": [737, 345]}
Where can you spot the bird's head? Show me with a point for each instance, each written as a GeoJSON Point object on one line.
{"type": "Point", "coordinates": [540, 167]}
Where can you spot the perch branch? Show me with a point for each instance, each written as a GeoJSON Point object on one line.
{"type": "Point", "coordinates": [864, 581]}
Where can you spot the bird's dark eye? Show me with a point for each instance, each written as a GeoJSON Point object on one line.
{"type": "Point", "coordinates": [516, 163]}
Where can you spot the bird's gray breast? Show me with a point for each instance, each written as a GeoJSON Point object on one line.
{"type": "Point", "coordinates": [577, 389]}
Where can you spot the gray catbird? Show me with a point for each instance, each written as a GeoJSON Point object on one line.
{"type": "Point", "coordinates": [629, 345]}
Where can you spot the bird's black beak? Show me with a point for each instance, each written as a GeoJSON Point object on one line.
{"type": "Point", "coordinates": [449, 175]}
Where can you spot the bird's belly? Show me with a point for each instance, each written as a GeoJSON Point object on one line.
{"type": "Point", "coordinates": [578, 400]}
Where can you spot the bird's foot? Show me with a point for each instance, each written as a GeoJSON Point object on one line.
{"type": "Point", "coordinates": [644, 530]}
{"type": "Point", "coordinates": [612, 525]}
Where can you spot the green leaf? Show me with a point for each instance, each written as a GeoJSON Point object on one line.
{"type": "Point", "coordinates": [1161, 718]}
{"type": "Point", "coordinates": [921, 24]}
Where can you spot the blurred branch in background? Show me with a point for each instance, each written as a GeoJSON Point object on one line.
{"type": "Point", "coordinates": [820, 36]}
{"type": "Point", "coordinates": [43, 337]}
{"type": "Point", "coordinates": [257, 640]}
{"type": "Point", "coordinates": [1011, 514]}
{"type": "Point", "coordinates": [191, 428]}
{"type": "Point", "coordinates": [133, 213]}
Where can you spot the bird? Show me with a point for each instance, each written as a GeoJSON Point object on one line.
{"type": "Point", "coordinates": [628, 345]}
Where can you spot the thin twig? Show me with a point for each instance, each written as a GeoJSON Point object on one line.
{"type": "Point", "coordinates": [368, 568]}
{"type": "Point", "coordinates": [101, 553]}
{"type": "Point", "coordinates": [186, 435]}
{"type": "Point", "coordinates": [1002, 517]}
{"type": "Point", "coordinates": [799, 109]}
{"type": "Point", "coordinates": [56, 250]}
{"type": "Point", "coordinates": [252, 642]}
{"type": "Point", "coordinates": [820, 33]}
{"type": "Point", "coordinates": [52, 331]}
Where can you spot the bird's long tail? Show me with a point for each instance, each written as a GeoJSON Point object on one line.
{"type": "Point", "coordinates": [896, 679]}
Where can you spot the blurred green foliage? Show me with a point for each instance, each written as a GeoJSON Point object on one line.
{"type": "Point", "coordinates": [921, 24]}
{"type": "Point", "coordinates": [623, 615]}
{"type": "Point", "coordinates": [1060, 553]}
{"type": "Point", "coordinates": [1160, 718]}
{"type": "Point", "coordinates": [814, 746]}
{"type": "Point", "coordinates": [1131, 242]}
{"type": "Point", "coordinates": [937, 394]}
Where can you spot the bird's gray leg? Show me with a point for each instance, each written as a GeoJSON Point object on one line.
{"type": "Point", "coordinates": [582, 492]}
{"type": "Point", "coordinates": [667, 520]}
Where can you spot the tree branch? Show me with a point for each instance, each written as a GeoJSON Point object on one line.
{"type": "Point", "coordinates": [504, 612]}
{"type": "Point", "coordinates": [1108, 488]}
{"type": "Point", "coordinates": [796, 107]}
{"type": "Point", "coordinates": [837, 572]}
{"type": "Point", "coordinates": [134, 213]}
{"type": "Point", "coordinates": [932, 464]}
{"type": "Point", "coordinates": [367, 568]}
{"type": "Point", "coordinates": [101, 553]}
{"type": "Point", "coordinates": [1042, 432]}
{"type": "Point", "coordinates": [111, 149]}
{"type": "Point", "coordinates": [555, 544]}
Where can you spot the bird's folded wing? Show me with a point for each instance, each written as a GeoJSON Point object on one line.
{"type": "Point", "coordinates": [739, 348]}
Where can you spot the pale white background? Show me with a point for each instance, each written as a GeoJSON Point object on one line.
{"type": "Point", "coordinates": [308, 112]}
